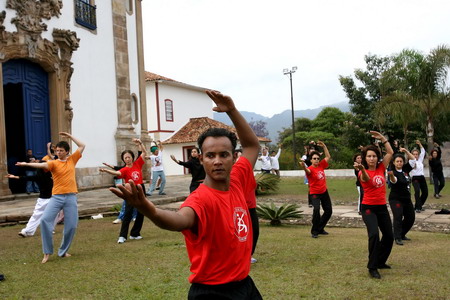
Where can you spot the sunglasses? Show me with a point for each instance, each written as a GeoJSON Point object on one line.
{"type": "Point", "coordinates": [315, 158]}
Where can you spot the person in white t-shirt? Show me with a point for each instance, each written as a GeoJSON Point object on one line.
{"type": "Point", "coordinates": [157, 169]}
{"type": "Point", "coordinates": [265, 161]}
{"type": "Point", "coordinates": [274, 161]}
{"type": "Point", "coordinates": [418, 178]}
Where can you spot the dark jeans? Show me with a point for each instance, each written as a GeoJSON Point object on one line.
{"type": "Point", "coordinates": [420, 185]}
{"type": "Point", "coordinates": [137, 226]}
{"type": "Point", "coordinates": [238, 290]}
{"type": "Point", "coordinates": [377, 216]}
{"type": "Point", "coordinates": [255, 227]}
{"type": "Point", "coordinates": [439, 182]}
{"type": "Point", "coordinates": [404, 217]}
{"type": "Point", "coordinates": [319, 222]}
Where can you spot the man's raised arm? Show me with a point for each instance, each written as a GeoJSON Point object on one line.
{"type": "Point", "coordinates": [247, 138]}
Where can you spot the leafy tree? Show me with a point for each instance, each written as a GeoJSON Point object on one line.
{"type": "Point", "coordinates": [423, 79]}
{"type": "Point", "coordinates": [330, 119]}
{"type": "Point", "coordinates": [301, 124]}
{"type": "Point", "coordinates": [362, 99]}
{"type": "Point", "coordinates": [259, 128]}
{"type": "Point", "coordinates": [396, 108]}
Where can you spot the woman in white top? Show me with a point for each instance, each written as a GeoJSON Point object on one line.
{"type": "Point", "coordinates": [418, 178]}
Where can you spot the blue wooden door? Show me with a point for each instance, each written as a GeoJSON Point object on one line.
{"type": "Point", "coordinates": [35, 99]}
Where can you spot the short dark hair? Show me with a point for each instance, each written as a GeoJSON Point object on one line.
{"type": "Point", "coordinates": [218, 132]}
{"type": "Point", "coordinates": [64, 145]}
{"type": "Point", "coordinates": [364, 154]}
{"type": "Point", "coordinates": [125, 152]}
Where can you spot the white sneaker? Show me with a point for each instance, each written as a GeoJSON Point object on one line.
{"type": "Point", "coordinates": [253, 260]}
{"type": "Point", "coordinates": [134, 219]}
{"type": "Point", "coordinates": [121, 240]}
{"type": "Point", "coordinates": [117, 221]}
{"type": "Point", "coordinates": [136, 237]}
{"type": "Point", "coordinates": [24, 234]}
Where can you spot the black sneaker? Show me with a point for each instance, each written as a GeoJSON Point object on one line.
{"type": "Point", "coordinates": [314, 236]}
{"type": "Point", "coordinates": [384, 266]}
{"type": "Point", "coordinates": [374, 273]}
{"type": "Point", "coordinates": [405, 238]}
{"type": "Point", "coordinates": [399, 242]}
{"type": "Point", "coordinates": [324, 232]}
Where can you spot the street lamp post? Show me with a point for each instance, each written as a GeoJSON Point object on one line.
{"type": "Point", "coordinates": [290, 72]}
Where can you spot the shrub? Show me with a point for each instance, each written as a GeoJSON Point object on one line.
{"type": "Point", "coordinates": [277, 214]}
{"type": "Point", "coordinates": [266, 183]}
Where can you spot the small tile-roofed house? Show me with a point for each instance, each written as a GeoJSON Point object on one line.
{"type": "Point", "coordinates": [171, 103]}
{"type": "Point", "coordinates": [184, 140]}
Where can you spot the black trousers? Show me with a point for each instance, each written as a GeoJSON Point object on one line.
{"type": "Point", "coordinates": [404, 217]}
{"type": "Point", "coordinates": [137, 226]}
{"type": "Point", "coordinates": [238, 290]}
{"type": "Point", "coordinates": [255, 227]}
{"type": "Point", "coordinates": [319, 222]}
{"type": "Point", "coordinates": [420, 191]}
{"type": "Point", "coordinates": [438, 182]}
{"type": "Point", "coordinates": [377, 217]}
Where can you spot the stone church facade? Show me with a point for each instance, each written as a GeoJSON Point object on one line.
{"type": "Point", "coordinates": [71, 66]}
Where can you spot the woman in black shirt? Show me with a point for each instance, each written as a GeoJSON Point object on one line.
{"type": "Point", "coordinates": [400, 196]}
{"type": "Point", "coordinates": [195, 167]}
{"type": "Point", "coordinates": [436, 169]}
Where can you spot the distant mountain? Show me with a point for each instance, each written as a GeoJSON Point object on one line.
{"type": "Point", "coordinates": [283, 120]}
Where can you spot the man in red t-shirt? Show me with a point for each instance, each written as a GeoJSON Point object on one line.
{"type": "Point", "coordinates": [214, 218]}
{"type": "Point", "coordinates": [318, 192]}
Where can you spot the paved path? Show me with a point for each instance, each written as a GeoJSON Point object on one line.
{"type": "Point", "coordinates": [93, 202]}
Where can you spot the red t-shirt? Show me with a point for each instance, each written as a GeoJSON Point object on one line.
{"type": "Point", "coordinates": [220, 251]}
{"type": "Point", "coordinates": [316, 179]}
{"type": "Point", "coordinates": [134, 172]}
{"type": "Point", "coordinates": [250, 197]}
{"type": "Point", "coordinates": [375, 187]}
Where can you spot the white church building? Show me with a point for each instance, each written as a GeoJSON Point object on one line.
{"type": "Point", "coordinates": [71, 66]}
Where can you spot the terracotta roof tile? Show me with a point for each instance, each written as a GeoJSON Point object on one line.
{"type": "Point", "coordinates": [190, 132]}
{"type": "Point", "coordinates": [155, 77]}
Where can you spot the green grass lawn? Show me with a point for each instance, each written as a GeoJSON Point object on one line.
{"type": "Point", "coordinates": [291, 265]}
{"type": "Point", "coordinates": [342, 192]}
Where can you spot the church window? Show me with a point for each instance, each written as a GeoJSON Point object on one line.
{"type": "Point", "coordinates": [85, 13]}
{"type": "Point", "coordinates": [169, 110]}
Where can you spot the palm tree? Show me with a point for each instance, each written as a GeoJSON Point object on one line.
{"type": "Point", "coordinates": [420, 81]}
{"type": "Point", "coordinates": [397, 107]}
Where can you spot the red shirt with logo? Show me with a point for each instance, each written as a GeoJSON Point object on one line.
{"type": "Point", "coordinates": [134, 172]}
{"type": "Point", "coordinates": [220, 248]}
{"type": "Point", "coordinates": [375, 187]}
{"type": "Point", "coordinates": [316, 179]}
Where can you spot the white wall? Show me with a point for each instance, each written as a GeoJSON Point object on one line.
{"type": "Point", "coordinates": [171, 167]}
{"type": "Point", "coordinates": [187, 103]}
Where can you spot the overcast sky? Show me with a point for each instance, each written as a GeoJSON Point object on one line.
{"type": "Point", "coordinates": [240, 47]}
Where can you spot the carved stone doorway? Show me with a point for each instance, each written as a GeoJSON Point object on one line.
{"type": "Point", "coordinates": [54, 57]}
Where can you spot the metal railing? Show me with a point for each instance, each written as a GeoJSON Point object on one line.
{"type": "Point", "coordinates": [85, 14]}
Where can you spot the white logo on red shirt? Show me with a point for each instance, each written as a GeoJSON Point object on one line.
{"type": "Point", "coordinates": [320, 175]}
{"type": "Point", "coordinates": [378, 181]}
{"type": "Point", "coordinates": [135, 176]}
{"type": "Point", "coordinates": [240, 223]}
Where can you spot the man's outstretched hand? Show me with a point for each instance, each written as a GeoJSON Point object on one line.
{"type": "Point", "coordinates": [224, 103]}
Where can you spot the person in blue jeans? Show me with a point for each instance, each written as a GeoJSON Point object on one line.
{"type": "Point", "coordinates": [157, 169]}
